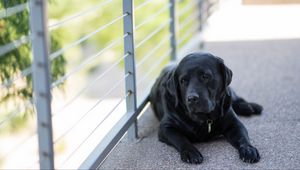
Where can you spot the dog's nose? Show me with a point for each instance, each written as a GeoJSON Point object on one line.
{"type": "Point", "coordinates": [193, 98]}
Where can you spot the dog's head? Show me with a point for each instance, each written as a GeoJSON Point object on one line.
{"type": "Point", "coordinates": [199, 83]}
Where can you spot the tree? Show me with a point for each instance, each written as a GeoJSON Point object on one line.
{"type": "Point", "coordinates": [18, 92]}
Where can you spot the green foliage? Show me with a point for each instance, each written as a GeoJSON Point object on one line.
{"type": "Point", "coordinates": [58, 64]}
{"type": "Point", "coordinates": [9, 3]}
{"type": "Point", "coordinates": [17, 123]}
{"type": "Point", "coordinates": [16, 95]}
{"type": "Point", "coordinates": [16, 26]}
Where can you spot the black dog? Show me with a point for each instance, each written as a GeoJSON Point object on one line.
{"type": "Point", "coordinates": [194, 104]}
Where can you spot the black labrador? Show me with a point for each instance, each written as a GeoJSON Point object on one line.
{"type": "Point", "coordinates": [194, 103]}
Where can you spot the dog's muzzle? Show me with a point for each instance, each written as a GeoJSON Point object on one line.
{"type": "Point", "coordinates": [196, 104]}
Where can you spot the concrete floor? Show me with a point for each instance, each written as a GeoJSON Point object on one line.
{"type": "Point", "coordinates": [266, 72]}
{"type": "Point", "coordinates": [263, 52]}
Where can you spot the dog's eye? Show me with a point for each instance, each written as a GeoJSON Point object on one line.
{"type": "Point", "coordinates": [205, 77]}
{"type": "Point", "coordinates": [183, 81]}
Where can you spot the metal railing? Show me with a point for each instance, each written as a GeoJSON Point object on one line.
{"type": "Point", "coordinates": [183, 21]}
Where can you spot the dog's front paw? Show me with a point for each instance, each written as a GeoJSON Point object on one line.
{"type": "Point", "coordinates": [249, 154]}
{"type": "Point", "coordinates": [257, 109]}
{"type": "Point", "coordinates": [191, 155]}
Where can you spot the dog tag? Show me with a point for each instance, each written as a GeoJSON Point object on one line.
{"type": "Point", "coordinates": [209, 122]}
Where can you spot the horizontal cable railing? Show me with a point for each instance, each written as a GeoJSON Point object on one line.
{"type": "Point", "coordinates": [10, 11]}
{"type": "Point", "coordinates": [140, 6]}
{"type": "Point", "coordinates": [55, 54]}
{"type": "Point", "coordinates": [84, 38]}
{"type": "Point", "coordinates": [87, 61]}
{"type": "Point", "coordinates": [91, 84]}
{"type": "Point", "coordinates": [188, 7]}
{"type": "Point", "coordinates": [145, 54]}
{"type": "Point", "coordinates": [15, 113]}
{"type": "Point", "coordinates": [188, 33]}
{"type": "Point", "coordinates": [24, 73]}
{"type": "Point", "coordinates": [13, 45]}
{"type": "Point", "coordinates": [148, 37]}
{"type": "Point", "coordinates": [150, 53]}
{"type": "Point", "coordinates": [19, 145]}
{"type": "Point", "coordinates": [188, 21]}
{"type": "Point", "coordinates": [79, 14]}
{"type": "Point", "coordinates": [22, 142]}
{"type": "Point", "coordinates": [117, 84]}
{"type": "Point", "coordinates": [152, 17]}
{"type": "Point", "coordinates": [16, 102]}
{"type": "Point", "coordinates": [154, 66]}
{"type": "Point", "coordinates": [99, 124]}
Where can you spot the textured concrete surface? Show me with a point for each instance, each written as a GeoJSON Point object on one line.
{"type": "Point", "coordinates": [266, 72]}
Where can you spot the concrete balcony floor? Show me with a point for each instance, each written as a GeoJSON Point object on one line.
{"type": "Point", "coordinates": [266, 70]}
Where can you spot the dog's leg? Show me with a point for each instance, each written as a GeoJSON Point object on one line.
{"type": "Point", "coordinates": [244, 108]}
{"type": "Point", "coordinates": [188, 152]}
{"type": "Point", "coordinates": [237, 135]}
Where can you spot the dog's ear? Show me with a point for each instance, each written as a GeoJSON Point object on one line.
{"type": "Point", "coordinates": [226, 74]}
{"type": "Point", "coordinates": [225, 103]}
{"type": "Point", "coordinates": [171, 86]}
{"type": "Point", "coordinates": [227, 77]}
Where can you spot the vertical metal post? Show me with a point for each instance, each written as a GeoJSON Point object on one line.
{"type": "Point", "coordinates": [41, 81]}
{"type": "Point", "coordinates": [173, 29]}
{"type": "Point", "coordinates": [201, 14]}
{"type": "Point", "coordinates": [128, 24]}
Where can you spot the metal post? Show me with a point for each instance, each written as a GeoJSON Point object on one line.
{"type": "Point", "coordinates": [201, 14]}
{"type": "Point", "coordinates": [41, 81]}
{"type": "Point", "coordinates": [173, 29]}
{"type": "Point", "coordinates": [128, 25]}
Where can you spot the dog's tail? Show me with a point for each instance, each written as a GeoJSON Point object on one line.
{"type": "Point", "coordinates": [244, 108]}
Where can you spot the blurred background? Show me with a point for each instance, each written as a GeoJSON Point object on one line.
{"type": "Point", "coordinates": [87, 71]}
{"type": "Point", "coordinates": [87, 63]}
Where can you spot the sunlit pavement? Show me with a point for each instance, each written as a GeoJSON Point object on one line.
{"type": "Point", "coordinates": [261, 46]}
{"type": "Point", "coordinates": [233, 21]}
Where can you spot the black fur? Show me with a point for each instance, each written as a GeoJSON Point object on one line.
{"type": "Point", "coordinates": [194, 103]}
